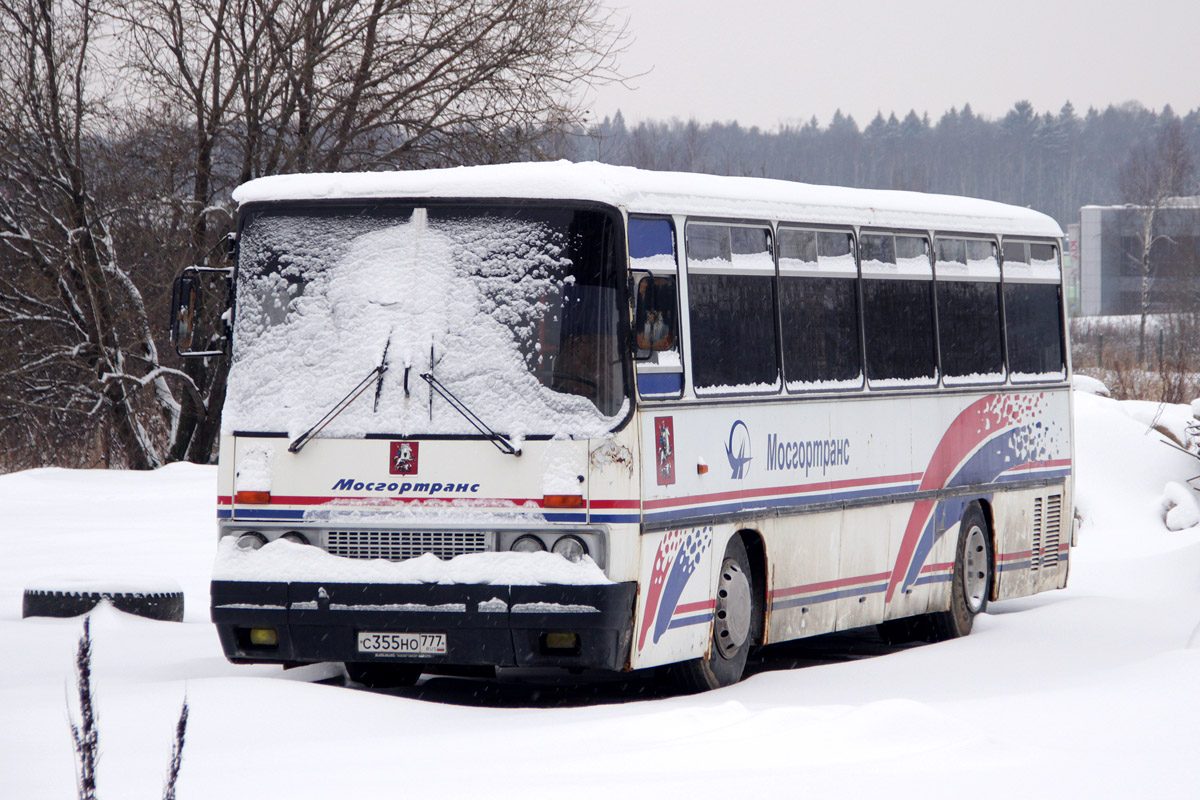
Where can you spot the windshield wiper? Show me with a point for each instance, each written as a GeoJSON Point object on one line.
{"type": "Point", "coordinates": [502, 442]}
{"type": "Point", "coordinates": [375, 375]}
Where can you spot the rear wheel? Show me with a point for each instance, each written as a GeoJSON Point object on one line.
{"type": "Point", "coordinates": [972, 578]}
{"type": "Point", "coordinates": [383, 676]}
{"type": "Point", "coordinates": [736, 608]}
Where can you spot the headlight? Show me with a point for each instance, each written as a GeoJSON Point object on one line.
{"type": "Point", "coordinates": [528, 544]}
{"type": "Point", "coordinates": [251, 540]}
{"type": "Point", "coordinates": [295, 536]}
{"type": "Point", "coordinates": [571, 548]}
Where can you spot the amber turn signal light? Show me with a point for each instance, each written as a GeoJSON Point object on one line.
{"type": "Point", "coordinates": [562, 501]}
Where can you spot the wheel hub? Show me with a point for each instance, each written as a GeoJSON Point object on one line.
{"type": "Point", "coordinates": [731, 626]}
{"type": "Point", "coordinates": [975, 569]}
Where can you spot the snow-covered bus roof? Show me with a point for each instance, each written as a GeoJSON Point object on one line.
{"type": "Point", "coordinates": [647, 192]}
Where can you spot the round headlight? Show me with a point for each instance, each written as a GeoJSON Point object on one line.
{"type": "Point", "coordinates": [571, 548]}
{"type": "Point", "coordinates": [295, 536]}
{"type": "Point", "coordinates": [528, 544]}
{"type": "Point", "coordinates": [251, 540]}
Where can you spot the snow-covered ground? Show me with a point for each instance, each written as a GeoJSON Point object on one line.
{"type": "Point", "coordinates": [1089, 692]}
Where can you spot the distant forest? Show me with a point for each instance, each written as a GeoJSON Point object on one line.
{"type": "Point", "coordinates": [1054, 163]}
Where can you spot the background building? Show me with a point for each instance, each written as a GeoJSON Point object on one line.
{"type": "Point", "coordinates": [1111, 244]}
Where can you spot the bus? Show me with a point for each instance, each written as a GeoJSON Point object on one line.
{"type": "Point", "coordinates": [594, 417]}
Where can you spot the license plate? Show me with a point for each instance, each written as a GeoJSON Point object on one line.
{"type": "Point", "coordinates": [418, 644]}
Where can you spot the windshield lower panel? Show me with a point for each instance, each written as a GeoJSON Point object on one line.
{"type": "Point", "coordinates": [515, 310]}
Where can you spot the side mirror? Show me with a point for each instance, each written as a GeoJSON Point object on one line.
{"type": "Point", "coordinates": [183, 312]}
{"type": "Point", "coordinates": [200, 300]}
{"type": "Point", "coordinates": [655, 316]}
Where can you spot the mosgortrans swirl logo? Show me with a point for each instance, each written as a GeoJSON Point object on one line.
{"type": "Point", "coordinates": [737, 450]}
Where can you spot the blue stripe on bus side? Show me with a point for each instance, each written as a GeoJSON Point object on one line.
{"type": "Point", "coordinates": [764, 503]}
{"type": "Point", "coordinates": [699, 619]}
{"type": "Point", "coordinates": [812, 600]}
{"type": "Point", "coordinates": [755, 503]}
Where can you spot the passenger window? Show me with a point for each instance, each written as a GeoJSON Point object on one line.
{"type": "Point", "coordinates": [819, 310]}
{"type": "Point", "coordinates": [731, 300]}
{"type": "Point", "coordinates": [898, 310]}
{"type": "Point", "coordinates": [1033, 317]}
{"type": "Point", "coordinates": [1033, 312]}
{"type": "Point", "coordinates": [968, 306]}
{"type": "Point", "coordinates": [797, 248]}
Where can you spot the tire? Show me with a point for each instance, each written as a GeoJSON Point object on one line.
{"type": "Point", "coordinates": [972, 583]}
{"type": "Point", "coordinates": [165, 606]}
{"type": "Point", "coordinates": [383, 676]}
{"type": "Point", "coordinates": [734, 618]}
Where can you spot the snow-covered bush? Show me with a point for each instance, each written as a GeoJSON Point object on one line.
{"type": "Point", "coordinates": [1180, 507]}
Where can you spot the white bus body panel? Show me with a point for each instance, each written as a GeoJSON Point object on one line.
{"type": "Point", "coordinates": [857, 501]}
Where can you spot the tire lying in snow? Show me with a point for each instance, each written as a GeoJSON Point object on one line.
{"type": "Point", "coordinates": [153, 598]}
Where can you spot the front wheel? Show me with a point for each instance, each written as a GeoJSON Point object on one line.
{"type": "Point", "coordinates": [972, 578]}
{"type": "Point", "coordinates": [736, 608]}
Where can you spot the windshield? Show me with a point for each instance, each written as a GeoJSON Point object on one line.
{"type": "Point", "coordinates": [513, 309]}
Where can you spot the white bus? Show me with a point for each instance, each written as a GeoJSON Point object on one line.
{"type": "Point", "coordinates": [586, 416]}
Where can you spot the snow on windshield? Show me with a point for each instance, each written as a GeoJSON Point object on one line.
{"type": "Point", "coordinates": [484, 302]}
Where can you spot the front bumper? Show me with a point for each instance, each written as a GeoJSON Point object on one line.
{"type": "Point", "coordinates": [502, 626]}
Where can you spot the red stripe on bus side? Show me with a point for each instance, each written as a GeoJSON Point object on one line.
{"type": "Point", "coordinates": [688, 608]}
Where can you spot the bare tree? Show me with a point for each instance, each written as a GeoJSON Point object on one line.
{"type": "Point", "coordinates": [103, 195]}
{"type": "Point", "coordinates": [1150, 178]}
{"type": "Point", "coordinates": [71, 314]}
{"type": "Point", "coordinates": [269, 86]}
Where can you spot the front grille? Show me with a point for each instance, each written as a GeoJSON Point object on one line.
{"type": "Point", "coordinates": [401, 545]}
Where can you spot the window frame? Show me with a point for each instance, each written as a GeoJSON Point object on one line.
{"type": "Point", "coordinates": [885, 384]}
{"type": "Point", "coordinates": [728, 269]}
{"type": "Point", "coordinates": [1032, 276]}
{"type": "Point", "coordinates": [646, 367]}
{"type": "Point", "coordinates": [815, 271]}
{"type": "Point", "coordinates": [948, 380]}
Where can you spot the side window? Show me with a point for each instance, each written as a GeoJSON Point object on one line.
{"type": "Point", "coordinates": [818, 304]}
{"type": "Point", "coordinates": [731, 303]}
{"type": "Point", "coordinates": [897, 283]}
{"type": "Point", "coordinates": [1033, 312]}
{"type": "Point", "coordinates": [652, 264]}
{"type": "Point", "coordinates": [968, 311]}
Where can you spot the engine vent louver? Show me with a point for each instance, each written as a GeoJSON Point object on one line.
{"type": "Point", "coordinates": [1053, 529]}
{"type": "Point", "coordinates": [1047, 529]}
{"type": "Point", "coordinates": [402, 545]}
{"type": "Point", "coordinates": [1035, 556]}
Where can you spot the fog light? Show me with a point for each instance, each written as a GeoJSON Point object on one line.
{"type": "Point", "coordinates": [562, 641]}
{"type": "Point", "coordinates": [295, 536]}
{"type": "Point", "coordinates": [264, 637]}
{"type": "Point", "coordinates": [528, 544]}
{"type": "Point", "coordinates": [571, 548]}
{"type": "Point", "coordinates": [251, 541]}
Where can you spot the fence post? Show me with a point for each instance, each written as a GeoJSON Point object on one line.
{"type": "Point", "coordinates": [1160, 349]}
{"type": "Point", "coordinates": [1100, 352]}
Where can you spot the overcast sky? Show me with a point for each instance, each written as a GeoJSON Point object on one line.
{"type": "Point", "coordinates": [763, 62]}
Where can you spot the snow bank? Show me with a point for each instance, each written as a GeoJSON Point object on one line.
{"type": "Point", "coordinates": [1084, 383]}
{"type": "Point", "coordinates": [1087, 692]}
{"type": "Point", "coordinates": [1122, 467]}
